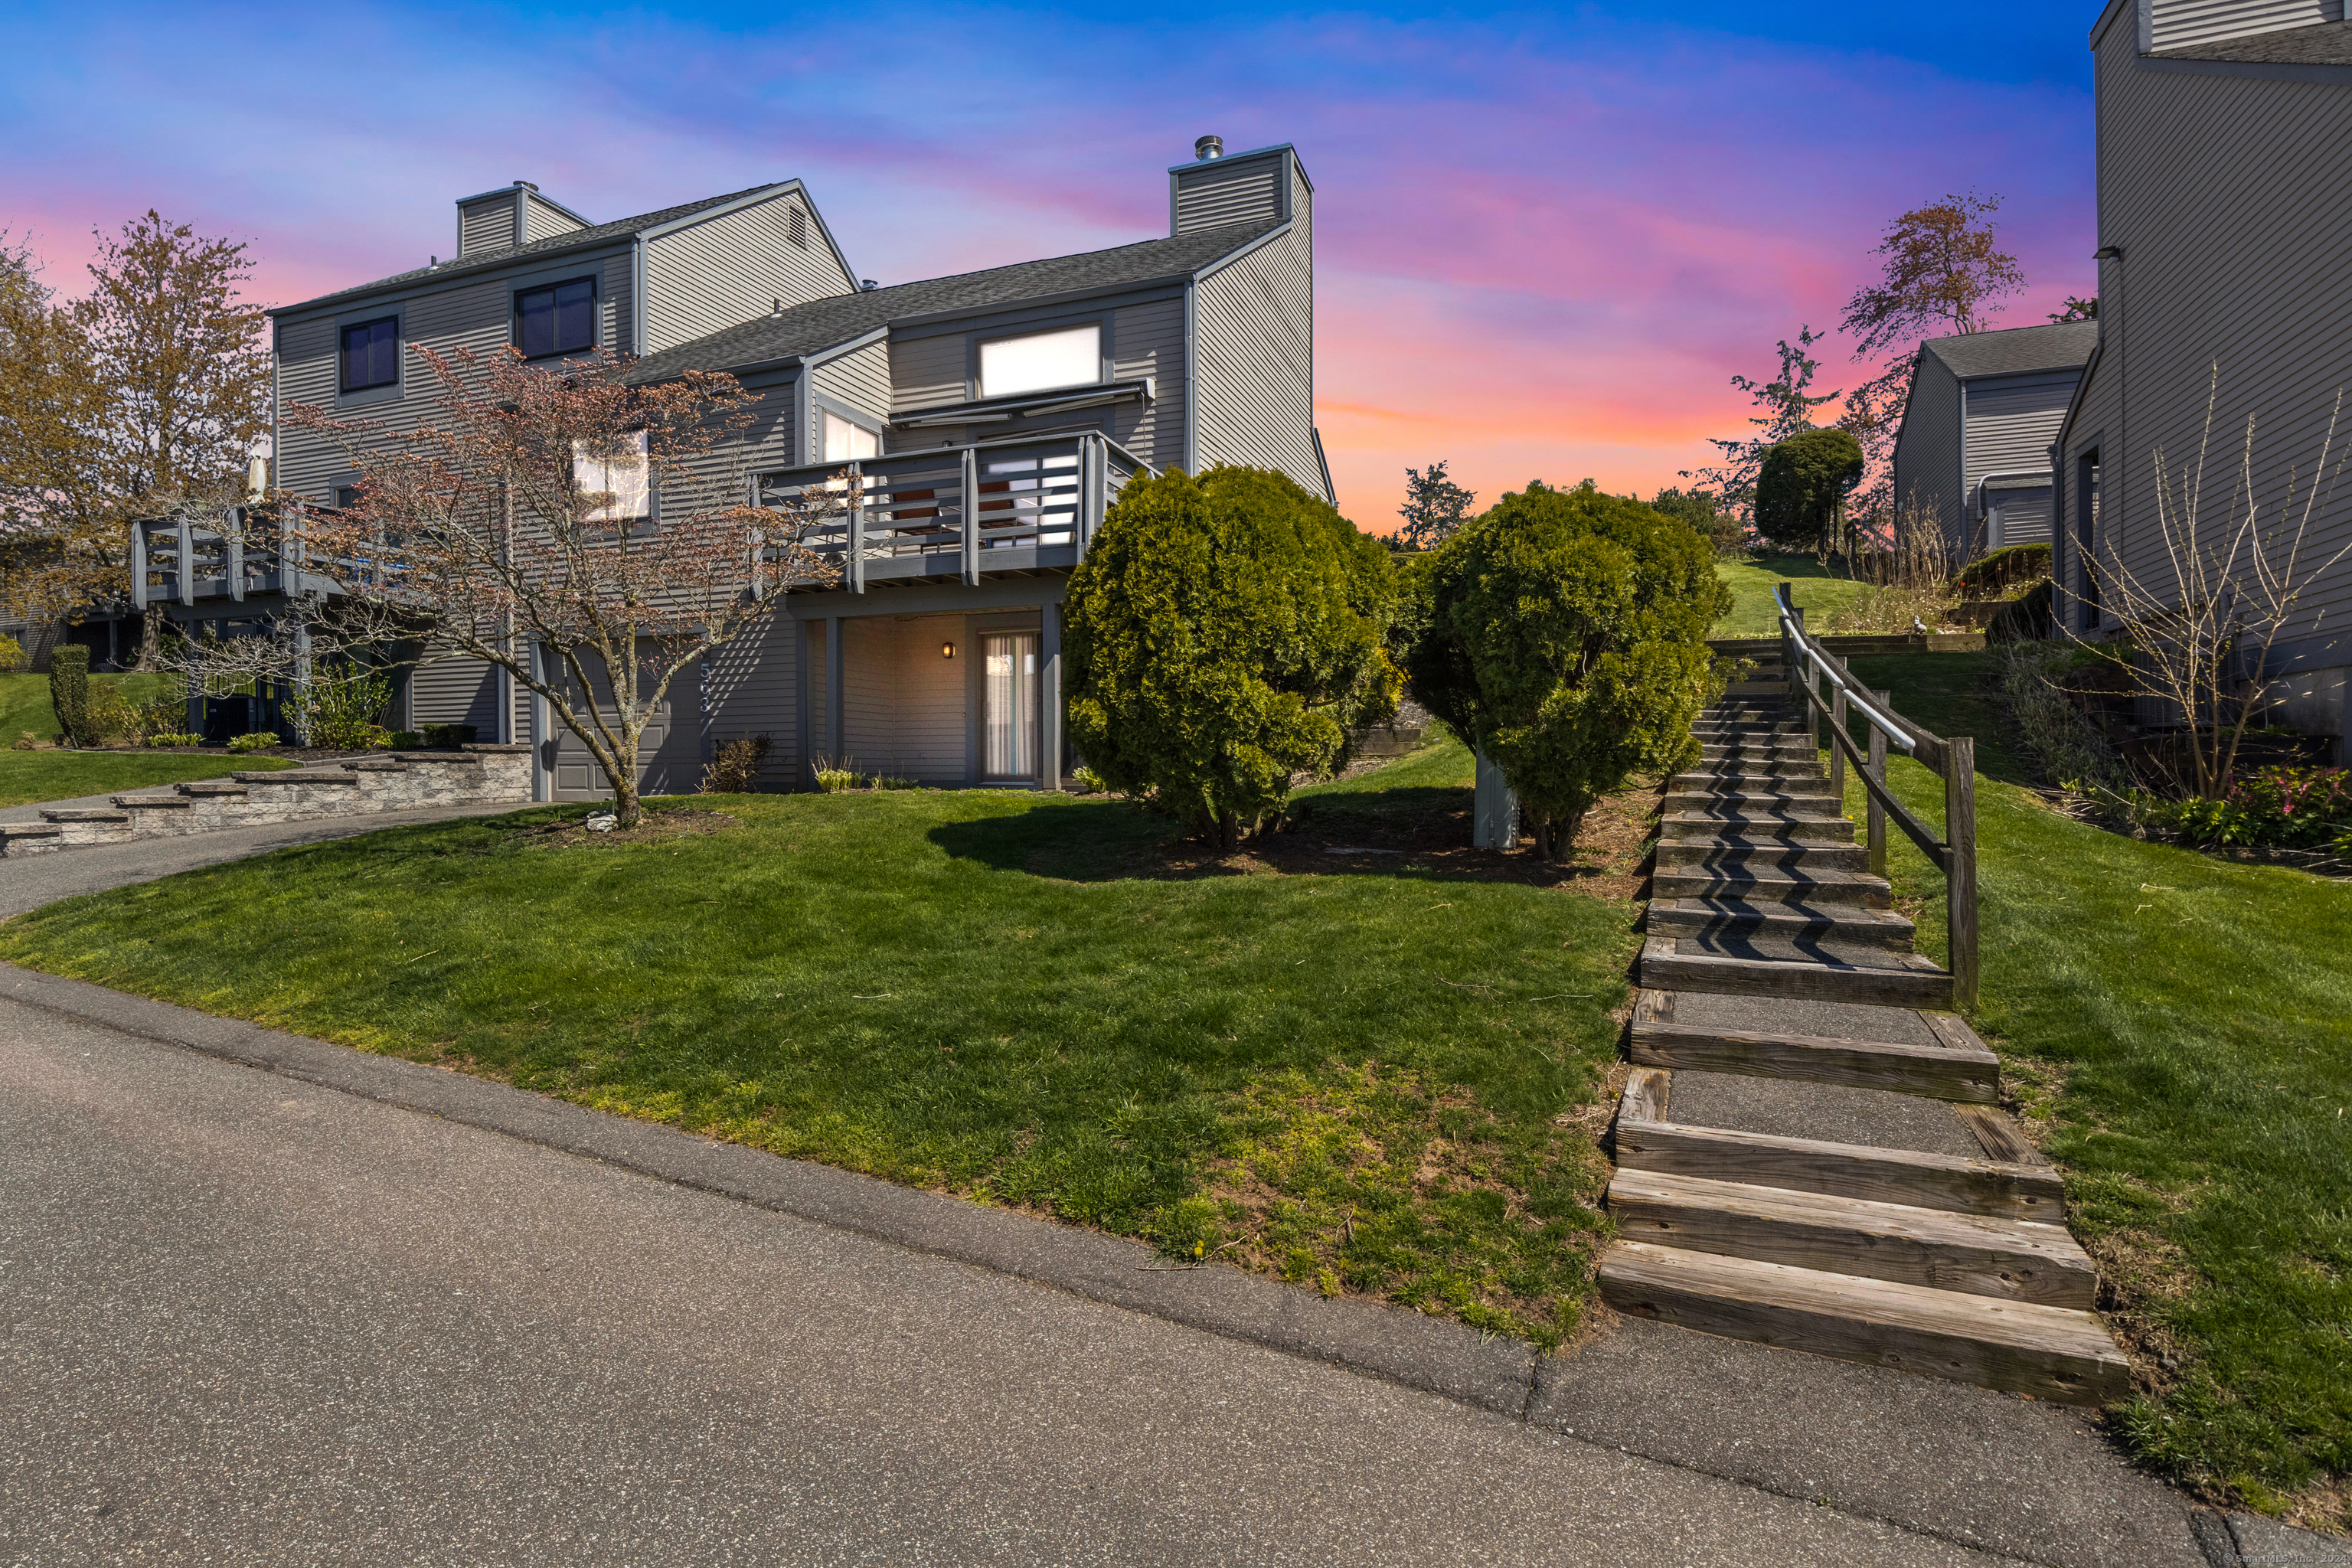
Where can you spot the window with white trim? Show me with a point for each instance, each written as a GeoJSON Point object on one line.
{"type": "Point", "coordinates": [846, 440]}
{"type": "Point", "coordinates": [1040, 362]}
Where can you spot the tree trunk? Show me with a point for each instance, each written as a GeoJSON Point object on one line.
{"type": "Point", "coordinates": [151, 636]}
{"type": "Point", "coordinates": [627, 809]}
{"type": "Point", "coordinates": [1229, 832]}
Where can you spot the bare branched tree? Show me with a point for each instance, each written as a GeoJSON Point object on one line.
{"type": "Point", "coordinates": [2203, 618]}
{"type": "Point", "coordinates": [591, 537]}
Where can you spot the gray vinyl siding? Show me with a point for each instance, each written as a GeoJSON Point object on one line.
{"type": "Point", "coordinates": [448, 689]}
{"type": "Point", "coordinates": [1253, 330]}
{"type": "Point", "coordinates": [1240, 190]}
{"type": "Point", "coordinates": [2177, 24]}
{"type": "Point", "coordinates": [2023, 518]}
{"type": "Point", "coordinates": [2232, 198]}
{"type": "Point", "coordinates": [750, 689]}
{"type": "Point", "coordinates": [928, 373]}
{"type": "Point", "coordinates": [474, 313]}
{"type": "Point", "coordinates": [1928, 450]}
{"type": "Point", "coordinates": [487, 224]}
{"type": "Point", "coordinates": [1148, 340]}
{"type": "Point", "coordinates": [2012, 421]}
{"type": "Point", "coordinates": [859, 379]}
{"type": "Point", "coordinates": [723, 475]}
{"type": "Point", "coordinates": [542, 220]}
{"type": "Point", "coordinates": [727, 269]}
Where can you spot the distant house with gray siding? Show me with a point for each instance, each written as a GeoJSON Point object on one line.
{"type": "Point", "coordinates": [1973, 451]}
{"type": "Point", "coordinates": [991, 416]}
{"type": "Point", "coordinates": [2225, 249]}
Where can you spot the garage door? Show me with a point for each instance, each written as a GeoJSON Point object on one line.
{"type": "Point", "coordinates": [669, 754]}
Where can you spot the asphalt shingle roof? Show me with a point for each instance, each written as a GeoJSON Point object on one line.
{"type": "Point", "coordinates": [822, 323]}
{"type": "Point", "coordinates": [475, 261]}
{"type": "Point", "coordinates": [2062, 345]}
{"type": "Point", "coordinates": [2320, 44]}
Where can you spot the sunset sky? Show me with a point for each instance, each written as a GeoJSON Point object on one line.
{"type": "Point", "coordinates": [1546, 239]}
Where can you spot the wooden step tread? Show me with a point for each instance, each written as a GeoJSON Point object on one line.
{"type": "Point", "coordinates": [1818, 973]}
{"type": "Point", "coordinates": [1794, 922]}
{"type": "Point", "coordinates": [1937, 1072]}
{"type": "Point", "coordinates": [1976, 1255]}
{"type": "Point", "coordinates": [1741, 849]}
{"type": "Point", "coordinates": [1999, 1188]}
{"type": "Point", "coordinates": [1769, 883]}
{"type": "Point", "coordinates": [2023, 1347]}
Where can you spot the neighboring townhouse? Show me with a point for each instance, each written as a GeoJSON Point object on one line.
{"type": "Point", "coordinates": [2225, 245]}
{"type": "Point", "coordinates": [992, 417]}
{"type": "Point", "coordinates": [1974, 447]}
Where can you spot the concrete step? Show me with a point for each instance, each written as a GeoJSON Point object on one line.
{"type": "Point", "coordinates": [1769, 883]}
{"type": "Point", "coordinates": [1950, 1182]}
{"type": "Point", "coordinates": [2051, 1352]}
{"type": "Point", "coordinates": [1964, 1074]}
{"type": "Point", "coordinates": [1794, 824]}
{"type": "Point", "coordinates": [1734, 849]}
{"type": "Point", "coordinates": [1975, 1255]}
{"type": "Point", "coordinates": [18, 839]}
{"type": "Point", "coordinates": [1817, 971]}
{"type": "Point", "coordinates": [65, 813]}
{"type": "Point", "coordinates": [1798, 924]}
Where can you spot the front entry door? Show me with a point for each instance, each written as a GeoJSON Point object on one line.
{"type": "Point", "coordinates": [1009, 704]}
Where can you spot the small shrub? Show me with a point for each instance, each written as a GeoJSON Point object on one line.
{"type": "Point", "coordinates": [164, 713]}
{"type": "Point", "coordinates": [341, 711]}
{"type": "Point", "coordinates": [735, 769]}
{"type": "Point", "coordinates": [2003, 571]}
{"type": "Point", "coordinates": [69, 693]}
{"type": "Point", "coordinates": [2066, 747]}
{"type": "Point", "coordinates": [408, 740]}
{"type": "Point", "coordinates": [27, 741]}
{"type": "Point", "coordinates": [110, 712]}
{"type": "Point", "coordinates": [172, 740]}
{"type": "Point", "coordinates": [260, 739]}
{"type": "Point", "coordinates": [12, 656]}
{"type": "Point", "coordinates": [891, 781]}
{"type": "Point", "coordinates": [834, 774]}
{"type": "Point", "coordinates": [449, 737]}
{"type": "Point", "coordinates": [1089, 780]}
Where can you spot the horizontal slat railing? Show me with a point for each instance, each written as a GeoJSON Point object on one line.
{"type": "Point", "coordinates": [1954, 851]}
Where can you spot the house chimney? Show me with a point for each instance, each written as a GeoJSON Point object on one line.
{"type": "Point", "coordinates": [1207, 148]}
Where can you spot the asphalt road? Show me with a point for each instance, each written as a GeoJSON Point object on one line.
{"type": "Point", "coordinates": [247, 1319]}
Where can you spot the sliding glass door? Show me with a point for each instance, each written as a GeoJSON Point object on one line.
{"type": "Point", "coordinates": [1009, 704]}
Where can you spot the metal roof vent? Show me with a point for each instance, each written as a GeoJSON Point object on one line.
{"type": "Point", "coordinates": [526, 184]}
{"type": "Point", "coordinates": [1207, 148]}
{"type": "Point", "coordinates": [867, 285]}
{"type": "Point", "coordinates": [776, 306]}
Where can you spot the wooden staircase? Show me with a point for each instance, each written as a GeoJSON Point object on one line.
{"type": "Point", "coordinates": [1955, 1267]}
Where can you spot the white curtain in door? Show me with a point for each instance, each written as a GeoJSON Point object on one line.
{"type": "Point", "coordinates": [1009, 706]}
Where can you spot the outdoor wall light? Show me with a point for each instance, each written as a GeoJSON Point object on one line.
{"type": "Point", "coordinates": [947, 651]}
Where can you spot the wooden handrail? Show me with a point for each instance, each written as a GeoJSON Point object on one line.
{"type": "Point", "coordinates": [1952, 760]}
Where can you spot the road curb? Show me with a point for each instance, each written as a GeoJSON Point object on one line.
{"type": "Point", "coordinates": [1432, 1354]}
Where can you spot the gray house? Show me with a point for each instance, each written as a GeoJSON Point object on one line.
{"type": "Point", "coordinates": [2225, 274]}
{"type": "Point", "coordinates": [1974, 446]}
{"type": "Point", "coordinates": [992, 416]}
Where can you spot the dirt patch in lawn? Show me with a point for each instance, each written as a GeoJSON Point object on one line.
{"type": "Point", "coordinates": [573, 833]}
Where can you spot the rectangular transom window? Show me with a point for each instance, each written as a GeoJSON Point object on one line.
{"type": "Point", "coordinates": [846, 441]}
{"type": "Point", "coordinates": [1072, 357]}
{"type": "Point", "coordinates": [561, 320]}
{"type": "Point", "coordinates": [371, 354]}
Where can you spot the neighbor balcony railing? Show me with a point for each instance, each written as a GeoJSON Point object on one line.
{"type": "Point", "coordinates": [956, 512]}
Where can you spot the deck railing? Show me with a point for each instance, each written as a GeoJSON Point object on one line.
{"type": "Point", "coordinates": [956, 512]}
{"type": "Point", "coordinates": [1809, 666]}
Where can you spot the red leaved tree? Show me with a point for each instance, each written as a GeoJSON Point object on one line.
{"type": "Point", "coordinates": [590, 537]}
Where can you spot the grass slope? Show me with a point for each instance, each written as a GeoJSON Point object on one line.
{"type": "Point", "coordinates": [1368, 1080]}
{"type": "Point", "coordinates": [29, 776]}
{"type": "Point", "coordinates": [2179, 1030]}
{"type": "Point", "coordinates": [1817, 589]}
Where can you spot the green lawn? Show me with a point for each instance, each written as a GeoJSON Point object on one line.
{"type": "Point", "coordinates": [2179, 1029]}
{"type": "Point", "coordinates": [1349, 1070]}
{"type": "Point", "coordinates": [28, 776]}
{"type": "Point", "coordinates": [1817, 589]}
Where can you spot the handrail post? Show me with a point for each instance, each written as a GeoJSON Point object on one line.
{"type": "Point", "coordinates": [1877, 770]}
{"type": "Point", "coordinates": [968, 514]}
{"type": "Point", "coordinates": [856, 497]}
{"type": "Point", "coordinates": [1837, 753]}
{"type": "Point", "coordinates": [1960, 872]}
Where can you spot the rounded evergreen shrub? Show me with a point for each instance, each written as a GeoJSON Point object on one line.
{"type": "Point", "coordinates": [1804, 481]}
{"type": "Point", "coordinates": [70, 691]}
{"type": "Point", "coordinates": [1566, 638]}
{"type": "Point", "coordinates": [1224, 633]}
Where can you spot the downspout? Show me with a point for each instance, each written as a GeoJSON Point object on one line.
{"type": "Point", "coordinates": [1191, 377]}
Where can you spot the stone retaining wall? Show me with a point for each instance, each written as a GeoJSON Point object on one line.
{"type": "Point", "coordinates": [395, 781]}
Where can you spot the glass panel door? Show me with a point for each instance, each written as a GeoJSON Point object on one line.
{"type": "Point", "coordinates": [1009, 704]}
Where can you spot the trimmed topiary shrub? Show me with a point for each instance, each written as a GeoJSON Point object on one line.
{"type": "Point", "coordinates": [1803, 484]}
{"type": "Point", "coordinates": [69, 693]}
{"type": "Point", "coordinates": [1567, 641]}
{"type": "Point", "coordinates": [1225, 634]}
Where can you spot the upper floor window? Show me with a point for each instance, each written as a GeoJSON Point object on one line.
{"type": "Point", "coordinates": [560, 320]}
{"type": "Point", "coordinates": [1071, 357]}
{"type": "Point", "coordinates": [846, 441]}
{"type": "Point", "coordinates": [371, 354]}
